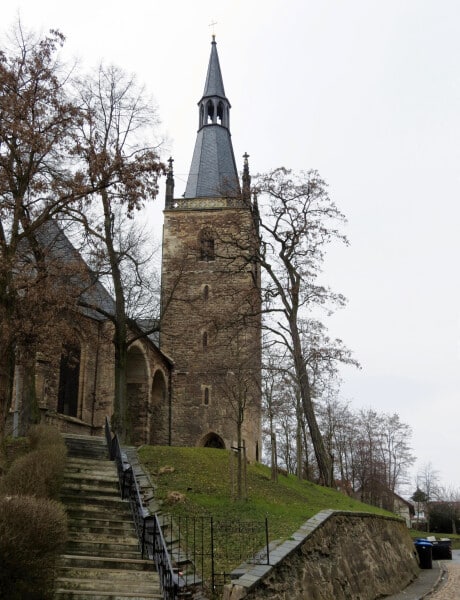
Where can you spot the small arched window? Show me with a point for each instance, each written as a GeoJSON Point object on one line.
{"type": "Point", "coordinates": [220, 113]}
{"type": "Point", "coordinates": [207, 251]}
{"type": "Point", "coordinates": [210, 112]}
{"type": "Point", "coordinates": [205, 340]}
{"type": "Point", "coordinates": [206, 396]}
{"type": "Point", "coordinates": [206, 292]}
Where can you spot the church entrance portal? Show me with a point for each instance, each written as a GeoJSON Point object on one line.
{"type": "Point", "coordinates": [212, 440]}
{"type": "Point", "coordinates": [69, 375]}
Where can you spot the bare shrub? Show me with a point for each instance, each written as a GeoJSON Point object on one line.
{"type": "Point", "coordinates": [33, 533]}
{"type": "Point", "coordinates": [41, 436]}
{"type": "Point", "coordinates": [38, 473]}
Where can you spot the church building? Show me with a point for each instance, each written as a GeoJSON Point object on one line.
{"type": "Point", "coordinates": [210, 322]}
{"type": "Point", "coordinates": [199, 384]}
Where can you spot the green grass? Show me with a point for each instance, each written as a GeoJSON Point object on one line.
{"type": "Point", "coordinates": [204, 476]}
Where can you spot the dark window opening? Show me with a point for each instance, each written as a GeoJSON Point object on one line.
{"type": "Point", "coordinates": [206, 292]}
{"type": "Point", "coordinates": [210, 112]}
{"type": "Point", "coordinates": [207, 251]}
{"type": "Point", "coordinates": [206, 396]}
{"type": "Point", "coordinates": [69, 374]}
{"type": "Point", "coordinates": [220, 112]}
{"type": "Point", "coordinates": [205, 340]}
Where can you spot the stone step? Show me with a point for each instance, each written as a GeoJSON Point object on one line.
{"type": "Point", "coordinates": [101, 527]}
{"type": "Point", "coordinates": [91, 471]}
{"type": "Point", "coordinates": [96, 453]}
{"type": "Point", "coordinates": [81, 536]}
{"type": "Point", "coordinates": [61, 594]}
{"type": "Point", "coordinates": [83, 465]}
{"type": "Point", "coordinates": [88, 514]}
{"type": "Point", "coordinates": [100, 546]}
{"type": "Point", "coordinates": [86, 446]}
{"type": "Point", "coordinates": [78, 487]}
{"type": "Point", "coordinates": [96, 517]}
{"type": "Point", "coordinates": [113, 574]}
{"type": "Point", "coordinates": [145, 582]}
{"type": "Point", "coordinates": [93, 500]}
{"type": "Point", "coordinates": [87, 550]}
{"type": "Point", "coordinates": [104, 562]}
{"type": "Point", "coordinates": [82, 460]}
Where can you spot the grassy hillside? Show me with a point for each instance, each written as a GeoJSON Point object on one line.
{"type": "Point", "coordinates": [207, 480]}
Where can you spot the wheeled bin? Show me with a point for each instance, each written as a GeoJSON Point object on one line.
{"type": "Point", "coordinates": [424, 550]}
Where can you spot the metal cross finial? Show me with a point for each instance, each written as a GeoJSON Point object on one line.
{"type": "Point", "coordinates": [213, 30]}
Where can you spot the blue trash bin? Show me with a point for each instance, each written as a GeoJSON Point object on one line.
{"type": "Point", "coordinates": [425, 553]}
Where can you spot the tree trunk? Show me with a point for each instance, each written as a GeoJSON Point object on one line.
{"type": "Point", "coordinates": [7, 350]}
{"type": "Point", "coordinates": [274, 458]}
{"type": "Point", "coordinates": [120, 410]}
{"type": "Point", "coordinates": [239, 470]}
{"type": "Point", "coordinates": [5, 393]}
{"type": "Point", "coordinates": [299, 445]}
{"type": "Point", "coordinates": [321, 454]}
{"type": "Point", "coordinates": [29, 411]}
{"type": "Point", "coordinates": [120, 420]}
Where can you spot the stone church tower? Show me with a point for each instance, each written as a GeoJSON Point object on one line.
{"type": "Point", "coordinates": [210, 325]}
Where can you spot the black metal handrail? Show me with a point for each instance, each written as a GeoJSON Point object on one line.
{"type": "Point", "coordinates": [147, 526]}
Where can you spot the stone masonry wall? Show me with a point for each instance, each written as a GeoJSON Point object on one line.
{"type": "Point", "coordinates": [216, 352]}
{"type": "Point", "coordinates": [334, 556]}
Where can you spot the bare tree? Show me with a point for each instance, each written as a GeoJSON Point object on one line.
{"type": "Point", "coordinates": [428, 483]}
{"type": "Point", "coordinates": [37, 179]}
{"type": "Point", "coordinates": [296, 220]}
{"type": "Point", "coordinates": [121, 167]}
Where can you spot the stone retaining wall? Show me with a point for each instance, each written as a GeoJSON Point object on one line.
{"type": "Point", "coordinates": [334, 556]}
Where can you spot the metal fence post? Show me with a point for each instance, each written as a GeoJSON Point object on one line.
{"type": "Point", "coordinates": [212, 556]}
{"type": "Point", "coordinates": [266, 540]}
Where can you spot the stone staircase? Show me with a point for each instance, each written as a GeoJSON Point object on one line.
{"type": "Point", "coordinates": [102, 559]}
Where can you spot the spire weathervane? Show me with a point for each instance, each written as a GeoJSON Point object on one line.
{"type": "Point", "coordinates": [213, 24]}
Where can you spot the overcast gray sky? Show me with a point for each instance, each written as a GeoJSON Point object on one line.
{"type": "Point", "coordinates": [368, 93]}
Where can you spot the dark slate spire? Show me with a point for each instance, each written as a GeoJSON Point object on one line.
{"type": "Point", "coordinates": [214, 85]}
{"type": "Point", "coordinates": [213, 172]}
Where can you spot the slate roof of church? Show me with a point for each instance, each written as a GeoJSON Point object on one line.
{"type": "Point", "coordinates": [213, 171]}
{"type": "Point", "coordinates": [58, 246]}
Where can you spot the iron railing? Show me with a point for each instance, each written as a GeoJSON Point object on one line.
{"type": "Point", "coordinates": [198, 552]}
{"type": "Point", "coordinates": [150, 535]}
{"type": "Point", "coordinates": [212, 551]}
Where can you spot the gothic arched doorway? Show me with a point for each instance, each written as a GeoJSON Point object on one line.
{"type": "Point", "coordinates": [69, 377]}
{"type": "Point", "coordinates": [212, 440]}
{"type": "Point", "coordinates": [137, 395]}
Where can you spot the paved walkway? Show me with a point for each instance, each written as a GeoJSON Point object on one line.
{"type": "Point", "coordinates": [442, 582]}
{"type": "Point", "coordinates": [449, 587]}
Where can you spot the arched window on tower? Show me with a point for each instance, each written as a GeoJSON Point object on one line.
{"type": "Point", "coordinates": [221, 113]}
{"type": "Point", "coordinates": [207, 251]}
{"type": "Point", "coordinates": [205, 340]}
{"type": "Point", "coordinates": [206, 292]}
{"type": "Point", "coordinates": [210, 112]}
